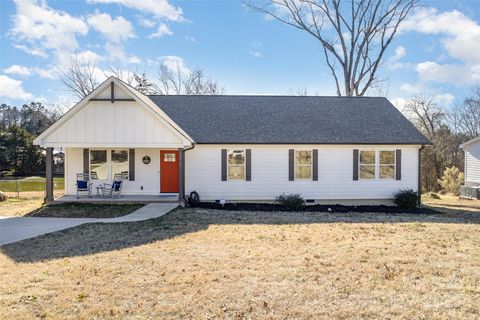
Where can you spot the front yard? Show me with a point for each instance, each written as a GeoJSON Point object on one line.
{"type": "Point", "coordinates": [207, 264]}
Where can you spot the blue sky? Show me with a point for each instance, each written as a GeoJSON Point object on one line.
{"type": "Point", "coordinates": [437, 52]}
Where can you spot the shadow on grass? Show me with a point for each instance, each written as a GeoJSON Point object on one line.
{"type": "Point", "coordinates": [102, 237]}
{"type": "Point", "coordinates": [84, 210]}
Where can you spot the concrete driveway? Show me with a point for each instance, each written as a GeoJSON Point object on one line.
{"type": "Point", "coordinates": [14, 229]}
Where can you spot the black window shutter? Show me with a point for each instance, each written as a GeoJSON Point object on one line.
{"type": "Point", "coordinates": [398, 164]}
{"type": "Point", "coordinates": [355, 164]}
{"type": "Point", "coordinates": [315, 165]}
{"type": "Point", "coordinates": [86, 161]}
{"type": "Point", "coordinates": [131, 164]}
{"type": "Point", "coordinates": [248, 164]}
{"type": "Point", "coordinates": [291, 164]}
{"type": "Point", "coordinates": [224, 164]}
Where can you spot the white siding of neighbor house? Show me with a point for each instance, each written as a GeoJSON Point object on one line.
{"type": "Point", "coordinates": [118, 124]}
{"type": "Point", "coordinates": [472, 162]}
{"type": "Point", "coordinates": [270, 174]}
{"type": "Point", "coordinates": [146, 175]}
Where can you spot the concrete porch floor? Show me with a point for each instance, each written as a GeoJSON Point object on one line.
{"type": "Point", "coordinates": [122, 199]}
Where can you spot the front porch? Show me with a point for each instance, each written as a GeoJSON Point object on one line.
{"type": "Point", "coordinates": [166, 198]}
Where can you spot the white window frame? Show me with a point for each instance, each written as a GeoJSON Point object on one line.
{"type": "Point", "coordinates": [303, 165]}
{"type": "Point", "coordinates": [109, 162]}
{"type": "Point", "coordinates": [377, 164]}
{"type": "Point", "coordinates": [244, 178]}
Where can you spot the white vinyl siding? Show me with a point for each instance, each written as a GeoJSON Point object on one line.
{"type": "Point", "coordinates": [270, 172]}
{"type": "Point", "coordinates": [472, 162]}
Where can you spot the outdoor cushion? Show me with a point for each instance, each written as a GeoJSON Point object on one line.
{"type": "Point", "coordinates": [116, 185]}
{"type": "Point", "coordinates": [82, 184]}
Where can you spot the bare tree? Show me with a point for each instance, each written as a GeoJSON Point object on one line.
{"type": "Point", "coordinates": [431, 120]}
{"type": "Point", "coordinates": [465, 117]}
{"type": "Point", "coordinates": [354, 34]}
{"type": "Point", "coordinates": [80, 76]}
{"type": "Point", "coordinates": [181, 81]}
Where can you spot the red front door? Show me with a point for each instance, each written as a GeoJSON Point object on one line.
{"type": "Point", "coordinates": [168, 171]}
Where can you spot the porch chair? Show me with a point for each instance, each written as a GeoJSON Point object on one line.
{"type": "Point", "coordinates": [114, 189]}
{"type": "Point", "coordinates": [83, 184]}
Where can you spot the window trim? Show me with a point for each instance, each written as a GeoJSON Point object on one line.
{"type": "Point", "coordinates": [244, 178]}
{"type": "Point", "coordinates": [377, 164]}
{"type": "Point", "coordinates": [303, 165]}
{"type": "Point", "coordinates": [109, 162]}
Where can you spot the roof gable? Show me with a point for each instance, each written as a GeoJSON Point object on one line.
{"type": "Point", "coordinates": [81, 123]}
{"type": "Point", "coordinates": [290, 120]}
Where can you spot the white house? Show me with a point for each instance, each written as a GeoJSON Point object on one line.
{"type": "Point", "coordinates": [472, 169]}
{"type": "Point", "coordinates": [238, 148]}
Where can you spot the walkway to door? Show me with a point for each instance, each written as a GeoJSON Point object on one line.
{"type": "Point", "coordinates": [21, 228]}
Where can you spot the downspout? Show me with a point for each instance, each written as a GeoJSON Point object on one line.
{"type": "Point", "coordinates": [183, 159]}
{"type": "Point", "coordinates": [420, 174]}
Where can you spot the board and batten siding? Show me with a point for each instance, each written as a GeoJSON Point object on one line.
{"type": "Point", "coordinates": [472, 163]}
{"type": "Point", "coordinates": [146, 175]}
{"type": "Point", "coordinates": [270, 174]}
{"type": "Point", "coordinates": [119, 124]}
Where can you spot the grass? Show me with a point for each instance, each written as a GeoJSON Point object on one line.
{"type": "Point", "coordinates": [84, 210]}
{"type": "Point", "coordinates": [26, 203]}
{"type": "Point", "coordinates": [209, 264]}
{"type": "Point", "coordinates": [29, 184]}
{"type": "Point", "coordinates": [451, 204]}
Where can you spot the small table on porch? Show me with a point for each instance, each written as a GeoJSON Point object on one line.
{"type": "Point", "coordinates": [98, 191]}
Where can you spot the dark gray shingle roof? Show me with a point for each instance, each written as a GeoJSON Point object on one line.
{"type": "Point", "coordinates": [289, 119]}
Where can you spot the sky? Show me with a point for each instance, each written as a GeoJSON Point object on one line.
{"type": "Point", "coordinates": [436, 53]}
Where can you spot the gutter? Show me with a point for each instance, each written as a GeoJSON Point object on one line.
{"type": "Point", "coordinates": [183, 167]}
{"type": "Point", "coordinates": [419, 190]}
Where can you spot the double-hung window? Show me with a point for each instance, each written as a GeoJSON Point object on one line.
{"type": "Point", "coordinates": [379, 164]}
{"type": "Point", "coordinates": [236, 164]}
{"type": "Point", "coordinates": [303, 164]}
{"type": "Point", "coordinates": [105, 164]}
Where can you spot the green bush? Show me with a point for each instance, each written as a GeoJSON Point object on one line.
{"type": "Point", "coordinates": [406, 199]}
{"type": "Point", "coordinates": [451, 180]}
{"type": "Point", "coordinates": [291, 201]}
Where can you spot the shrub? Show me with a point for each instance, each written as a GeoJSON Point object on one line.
{"type": "Point", "coordinates": [451, 180]}
{"type": "Point", "coordinates": [406, 199]}
{"type": "Point", "coordinates": [291, 201]}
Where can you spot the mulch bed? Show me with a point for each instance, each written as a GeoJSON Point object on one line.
{"type": "Point", "coordinates": [311, 208]}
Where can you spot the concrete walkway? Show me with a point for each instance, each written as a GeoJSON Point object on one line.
{"type": "Point", "coordinates": [14, 229]}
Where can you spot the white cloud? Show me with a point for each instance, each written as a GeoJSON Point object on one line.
{"type": "Point", "coordinates": [115, 30]}
{"type": "Point", "coordinates": [11, 88]}
{"type": "Point", "coordinates": [18, 70]}
{"type": "Point", "coordinates": [458, 74]}
{"type": "Point", "coordinates": [461, 40]}
{"type": "Point", "coordinates": [44, 28]}
{"type": "Point", "coordinates": [399, 103]}
{"type": "Point", "coordinates": [175, 63]}
{"type": "Point", "coordinates": [161, 9]}
{"type": "Point", "coordinates": [31, 51]}
{"type": "Point", "coordinates": [444, 100]}
{"type": "Point", "coordinates": [394, 62]}
{"type": "Point", "coordinates": [255, 48]}
{"type": "Point", "coordinates": [145, 22]}
{"type": "Point", "coordinates": [163, 30]}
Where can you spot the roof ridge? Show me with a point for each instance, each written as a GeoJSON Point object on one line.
{"type": "Point", "coordinates": [260, 95]}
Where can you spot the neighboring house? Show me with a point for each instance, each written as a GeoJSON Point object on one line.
{"type": "Point", "coordinates": [471, 189]}
{"type": "Point", "coordinates": [244, 148]}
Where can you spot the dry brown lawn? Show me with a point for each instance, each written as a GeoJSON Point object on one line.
{"type": "Point", "coordinates": [26, 203]}
{"type": "Point", "coordinates": [452, 204]}
{"type": "Point", "coordinates": [198, 264]}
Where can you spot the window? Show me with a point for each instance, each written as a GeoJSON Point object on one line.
{"type": "Point", "coordinates": [367, 165]}
{"type": "Point", "coordinates": [119, 163]}
{"type": "Point", "coordinates": [236, 164]}
{"type": "Point", "coordinates": [303, 164]}
{"type": "Point", "coordinates": [387, 165]}
{"type": "Point", "coordinates": [169, 157]}
{"type": "Point", "coordinates": [98, 164]}
{"type": "Point", "coordinates": [377, 165]}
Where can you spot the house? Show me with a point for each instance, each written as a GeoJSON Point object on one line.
{"type": "Point", "coordinates": [471, 189]}
{"type": "Point", "coordinates": [238, 148]}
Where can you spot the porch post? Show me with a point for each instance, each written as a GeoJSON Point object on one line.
{"type": "Point", "coordinates": [181, 178]}
{"type": "Point", "coordinates": [49, 175]}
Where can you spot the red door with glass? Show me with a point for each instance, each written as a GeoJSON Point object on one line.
{"type": "Point", "coordinates": [168, 171]}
